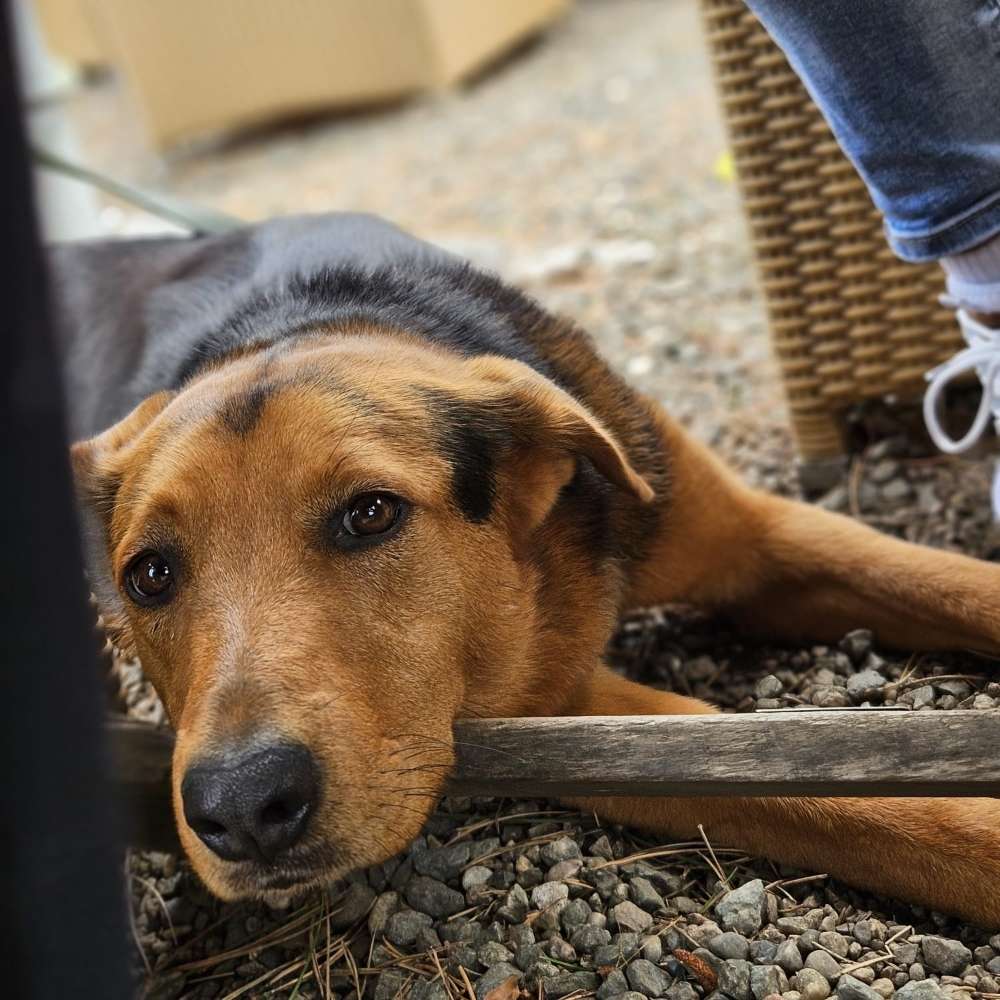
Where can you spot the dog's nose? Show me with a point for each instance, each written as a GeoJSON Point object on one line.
{"type": "Point", "coordinates": [253, 807]}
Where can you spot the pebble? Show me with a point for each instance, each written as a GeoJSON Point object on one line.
{"type": "Point", "coordinates": [766, 980]}
{"type": "Point", "coordinates": [645, 896]}
{"type": "Point", "coordinates": [742, 909]}
{"type": "Point", "coordinates": [443, 863]}
{"type": "Point", "coordinates": [734, 978]}
{"type": "Point", "coordinates": [569, 982]}
{"type": "Point", "coordinates": [626, 916]}
{"type": "Point", "coordinates": [769, 686]}
{"type": "Point", "coordinates": [927, 989]}
{"type": "Point", "coordinates": [729, 945]}
{"type": "Point", "coordinates": [824, 963]}
{"type": "Point", "coordinates": [563, 849]}
{"type": "Point", "coordinates": [544, 895]}
{"type": "Point", "coordinates": [495, 976]}
{"type": "Point", "coordinates": [851, 988]}
{"type": "Point", "coordinates": [811, 984]}
{"type": "Point", "coordinates": [645, 977]}
{"type": "Point", "coordinates": [945, 955]}
{"type": "Point", "coordinates": [433, 897]}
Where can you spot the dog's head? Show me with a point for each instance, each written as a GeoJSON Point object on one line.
{"type": "Point", "coordinates": [323, 554]}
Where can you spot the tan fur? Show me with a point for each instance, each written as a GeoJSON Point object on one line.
{"type": "Point", "coordinates": [368, 659]}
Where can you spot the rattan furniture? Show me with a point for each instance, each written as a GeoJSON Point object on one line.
{"type": "Point", "coordinates": [848, 320]}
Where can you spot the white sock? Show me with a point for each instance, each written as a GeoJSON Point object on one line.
{"type": "Point", "coordinates": [974, 277]}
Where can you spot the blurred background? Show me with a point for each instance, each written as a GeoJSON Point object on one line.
{"type": "Point", "coordinates": [574, 147]}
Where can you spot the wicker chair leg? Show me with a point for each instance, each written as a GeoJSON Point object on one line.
{"type": "Point", "coordinates": [820, 438]}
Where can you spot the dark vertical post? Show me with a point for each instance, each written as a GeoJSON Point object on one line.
{"type": "Point", "coordinates": [62, 928]}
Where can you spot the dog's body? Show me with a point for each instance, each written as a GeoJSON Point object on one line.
{"type": "Point", "coordinates": [366, 490]}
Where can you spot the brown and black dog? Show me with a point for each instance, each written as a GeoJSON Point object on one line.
{"type": "Point", "coordinates": [366, 490]}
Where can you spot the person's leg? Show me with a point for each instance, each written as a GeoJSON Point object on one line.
{"type": "Point", "coordinates": [910, 89]}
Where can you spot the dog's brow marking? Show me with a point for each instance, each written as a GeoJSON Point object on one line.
{"type": "Point", "coordinates": [241, 413]}
{"type": "Point", "coordinates": [468, 439]}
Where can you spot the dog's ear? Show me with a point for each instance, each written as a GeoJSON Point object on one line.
{"type": "Point", "coordinates": [543, 432]}
{"type": "Point", "coordinates": [98, 468]}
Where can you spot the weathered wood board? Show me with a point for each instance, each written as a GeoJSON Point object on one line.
{"type": "Point", "coordinates": [863, 752]}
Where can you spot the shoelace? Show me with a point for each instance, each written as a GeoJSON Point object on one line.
{"type": "Point", "coordinates": [981, 356]}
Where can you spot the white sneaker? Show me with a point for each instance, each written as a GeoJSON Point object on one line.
{"type": "Point", "coordinates": [983, 357]}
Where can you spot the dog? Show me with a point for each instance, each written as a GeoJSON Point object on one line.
{"type": "Point", "coordinates": [339, 489]}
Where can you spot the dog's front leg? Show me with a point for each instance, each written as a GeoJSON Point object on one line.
{"type": "Point", "coordinates": [796, 571]}
{"type": "Point", "coordinates": [942, 853]}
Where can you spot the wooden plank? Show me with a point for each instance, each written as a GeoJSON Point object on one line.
{"type": "Point", "coordinates": [830, 753]}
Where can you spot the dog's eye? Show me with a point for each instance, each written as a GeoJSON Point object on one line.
{"type": "Point", "coordinates": [372, 514]}
{"type": "Point", "coordinates": [149, 579]}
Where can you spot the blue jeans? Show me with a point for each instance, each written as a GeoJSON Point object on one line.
{"type": "Point", "coordinates": [911, 89]}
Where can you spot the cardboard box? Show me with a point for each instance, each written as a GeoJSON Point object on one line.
{"type": "Point", "coordinates": [197, 66]}
{"type": "Point", "coordinates": [71, 31]}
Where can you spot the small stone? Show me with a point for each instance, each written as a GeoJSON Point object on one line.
{"type": "Point", "coordinates": [766, 980]}
{"type": "Point", "coordinates": [742, 909]}
{"type": "Point", "coordinates": [850, 988]}
{"type": "Point", "coordinates": [788, 957]}
{"type": "Point", "coordinates": [352, 906]}
{"type": "Point", "coordinates": [547, 893]}
{"type": "Point", "coordinates": [475, 877]}
{"type": "Point", "coordinates": [905, 952]}
{"type": "Point", "coordinates": [681, 991]}
{"type": "Point", "coordinates": [831, 697]}
{"type": "Point", "coordinates": [569, 982]}
{"type": "Point", "coordinates": [563, 869]}
{"type": "Point", "coordinates": [866, 685]}
{"type": "Point", "coordinates": [729, 945]}
{"type": "Point", "coordinates": [645, 896]}
{"type": "Point", "coordinates": [734, 978]}
{"type": "Point", "coordinates": [897, 490]}
{"type": "Point", "coordinates": [563, 849]}
{"type": "Point", "coordinates": [574, 914]}
{"type": "Point", "coordinates": [768, 687]}
{"type": "Point", "coordinates": [614, 985]}
{"type": "Point", "coordinates": [490, 953]}
{"type": "Point", "coordinates": [922, 697]}
{"type": "Point", "coordinates": [385, 906]}
{"type": "Point", "coordinates": [644, 977]}
{"type": "Point", "coordinates": [443, 863]}
{"type": "Point", "coordinates": [402, 928]}
{"type": "Point", "coordinates": [651, 949]}
{"type": "Point", "coordinates": [626, 916]}
{"type": "Point", "coordinates": [763, 952]}
{"type": "Point", "coordinates": [984, 702]}
{"type": "Point", "coordinates": [684, 905]}
{"type": "Point", "coordinates": [495, 976]}
{"type": "Point", "coordinates": [431, 896]}
{"type": "Point", "coordinates": [834, 942]}
{"type": "Point", "coordinates": [792, 925]}
{"type": "Point", "coordinates": [515, 907]}
{"type": "Point", "coordinates": [926, 989]}
{"type": "Point", "coordinates": [585, 939]}
{"type": "Point", "coordinates": [916, 972]}
{"type": "Point", "coordinates": [993, 965]}
{"type": "Point", "coordinates": [883, 987]}
{"type": "Point", "coordinates": [856, 644]}
{"type": "Point", "coordinates": [811, 984]}
{"type": "Point", "coordinates": [824, 963]}
{"type": "Point", "coordinates": [389, 984]}
{"type": "Point", "coordinates": [945, 955]}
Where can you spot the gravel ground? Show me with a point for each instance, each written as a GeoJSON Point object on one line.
{"type": "Point", "coordinates": [585, 170]}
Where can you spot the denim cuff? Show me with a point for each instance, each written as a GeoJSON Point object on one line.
{"type": "Point", "coordinates": [960, 233]}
